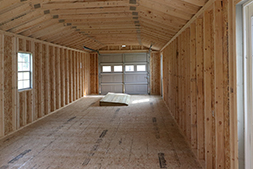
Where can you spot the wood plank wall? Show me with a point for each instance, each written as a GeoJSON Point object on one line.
{"type": "Point", "coordinates": [94, 73]}
{"type": "Point", "coordinates": [199, 85]}
{"type": "Point", "coordinates": [60, 76]}
{"type": "Point", "coordinates": [155, 79]}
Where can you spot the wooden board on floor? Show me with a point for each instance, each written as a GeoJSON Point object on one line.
{"type": "Point", "coordinates": [115, 99]}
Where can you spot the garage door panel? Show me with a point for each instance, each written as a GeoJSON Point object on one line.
{"type": "Point", "coordinates": [132, 78]}
{"type": "Point", "coordinates": [111, 88]}
{"type": "Point", "coordinates": [136, 78]}
{"type": "Point", "coordinates": [116, 58]}
{"type": "Point", "coordinates": [112, 78]}
{"type": "Point", "coordinates": [135, 58]}
{"type": "Point", "coordinates": [137, 89]}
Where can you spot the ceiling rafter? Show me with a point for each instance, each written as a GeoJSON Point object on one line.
{"type": "Point", "coordinates": [98, 23]}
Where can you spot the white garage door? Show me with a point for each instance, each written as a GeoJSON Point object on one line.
{"type": "Point", "coordinates": [124, 73]}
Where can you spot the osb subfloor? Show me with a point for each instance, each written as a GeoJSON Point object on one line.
{"type": "Point", "coordinates": [86, 135]}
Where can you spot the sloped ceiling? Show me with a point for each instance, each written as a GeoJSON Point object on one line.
{"type": "Point", "coordinates": [98, 23]}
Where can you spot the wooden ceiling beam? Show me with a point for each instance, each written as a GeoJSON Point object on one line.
{"type": "Point", "coordinates": [103, 27]}
{"type": "Point", "coordinates": [96, 16]}
{"type": "Point", "coordinates": [157, 22]}
{"type": "Point", "coordinates": [88, 31]}
{"type": "Point", "coordinates": [15, 13]}
{"type": "Point", "coordinates": [196, 2]}
{"type": "Point", "coordinates": [90, 11]}
{"type": "Point", "coordinates": [34, 14]}
{"type": "Point", "coordinates": [39, 27]}
{"type": "Point", "coordinates": [5, 4]}
{"type": "Point", "coordinates": [28, 25]}
{"type": "Point", "coordinates": [156, 34]}
{"type": "Point", "coordinates": [98, 20]}
{"type": "Point", "coordinates": [56, 32]}
{"type": "Point", "coordinates": [83, 5]}
{"type": "Point", "coordinates": [166, 9]}
{"type": "Point", "coordinates": [159, 16]}
{"type": "Point", "coordinates": [178, 4]}
{"type": "Point", "coordinates": [155, 38]}
{"type": "Point", "coordinates": [47, 30]}
{"type": "Point", "coordinates": [158, 26]}
{"type": "Point", "coordinates": [57, 39]}
{"type": "Point", "coordinates": [112, 31]}
{"type": "Point", "coordinates": [129, 22]}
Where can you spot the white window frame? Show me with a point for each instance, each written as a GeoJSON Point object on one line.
{"type": "Point", "coordinates": [30, 71]}
{"type": "Point", "coordinates": [248, 81]}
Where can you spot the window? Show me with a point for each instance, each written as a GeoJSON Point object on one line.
{"type": "Point", "coordinates": [106, 69]}
{"type": "Point", "coordinates": [24, 71]}
{"type": "Point", "coordinates": [117, 68]}
{"type": "Point", "coordinates": [141, 68]}
{"type": "Point", "coordinates": [129, 68]}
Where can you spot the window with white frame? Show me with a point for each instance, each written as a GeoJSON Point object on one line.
{"type": "Point", "coordinates": [117, 68]}
{"type": "Point", "coordinates": [141, 68]}
{"type": "Point", "coordinates": [106, 69]}
{"type": "Point", "coordinates": [24, 71]}
{"type": "Point", "coordinates": [129, 68]}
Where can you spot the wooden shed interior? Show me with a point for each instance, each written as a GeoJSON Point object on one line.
{"type": "Point", "coordinates": [193, 64]}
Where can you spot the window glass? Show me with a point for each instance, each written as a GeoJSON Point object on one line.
{"type": "Point", "coordinates": [141, 68]}
{"type": "Point", "coordinates": [117, 68]}
{"type": "Point", "coordinates": [106, 68]}
{"type": "Point", "coordinates": [24, 70]}
{"type": "Point", "coordinates": [129, 68]}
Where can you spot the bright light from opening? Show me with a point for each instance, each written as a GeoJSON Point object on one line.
{"type": "Point", "coordinates": [140, 101]}
{"type": "Point", "coordinates": [123, 46]}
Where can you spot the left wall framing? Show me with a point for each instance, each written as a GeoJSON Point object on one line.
{"type": "Point", "coordinates": [50, 80]}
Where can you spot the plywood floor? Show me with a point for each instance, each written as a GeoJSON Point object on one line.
{"type": "Point", "coordinates": [85, 135]}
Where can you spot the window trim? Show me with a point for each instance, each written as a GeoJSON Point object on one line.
{"type": "Point", "coordinates": [30, 71]}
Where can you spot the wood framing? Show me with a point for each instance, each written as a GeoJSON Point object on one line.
{"type": "Point", "coordinates": [213, 131]}
{"type": "Point", "coordinates": [21, 108]}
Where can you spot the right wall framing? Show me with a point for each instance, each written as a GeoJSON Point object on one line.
{"type": "Point", "coordinates": [199, 84]}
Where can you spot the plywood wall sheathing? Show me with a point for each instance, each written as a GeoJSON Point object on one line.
{"type": "Point", "coordinates": [204, 64]}
{"type": "Point", "coordinates": [9, 126]}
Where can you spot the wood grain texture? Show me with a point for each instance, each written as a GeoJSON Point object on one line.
{"type": "Point", "coordinates": [155, 79]}
{"type": "Point", "coordinates": [94, 73]}
{"type": "Point", "coordinates": [208, 87]}
{"type": "Point", "coordinates": [200, 88]}
{"type": "Point", "coordinates": [142, 134]}
{"type": "Point", "coordinates": [8, 100]}
{"type": "Point", "coordinates": [2, 119]}
{"type": "Point", "coordinates": [21, 108]}
{"type": "Point", "coordinates": [212, 82]}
